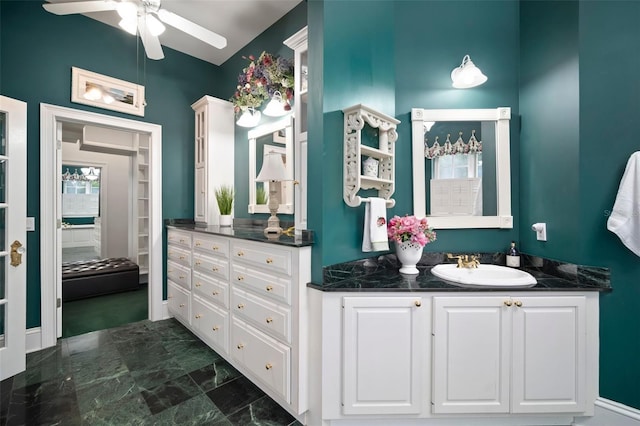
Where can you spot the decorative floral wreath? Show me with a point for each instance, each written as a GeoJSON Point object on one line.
{"type": "Point", "coordinates": [261, 79]}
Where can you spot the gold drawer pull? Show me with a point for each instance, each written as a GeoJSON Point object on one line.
{"type": "Point", "coordinates": [418, 303]}
{"type": "Point", "coordinates": [269, 320]}
{"type": "Point", "coordinates": [198, 263]}
{"type": "Point", "coordinates": [182, 277]}
{"type": "Point", "coordinates": [215, 248]}
{"type": "Point", "coordinates": [269, 260]}
{"type": "Point", "coordinates": [214, 269]}
{"type": "Point", "coordinates": [197, 243]}
{"type": "Point", "coordinates": [181, 257]}
{"type": "Point", "coordinates": [215, 328]}
{"type": "Point", "coordinates": [268, 366]}
{"type": "Point", "coordinates": [215, 293]}
{"type": "Point", "coordinates": [198, 316]}
{"type": "Point", "coordinates": [240, 278]}
{"type": "Point", "coordinates": [240, 253]}
{"type": "Point", "coordinates": [170, 296]}
{"type": "Point", "coordinates": [269, 288]}
{"type": "Point", "coordinates": [182, 305]}
{"type": "Point", "coordinates": [182, 240]}
{"type": "Point", "coordinates": [508, 303]}
{"type": "Point", "coordinates": [240, 305]}
{"type": "Point", "coordinates": [198, 284]}
{"type": "Point", "coordinates": [240, 346]}
{"type": "Point", "coordinates": [518, 303]}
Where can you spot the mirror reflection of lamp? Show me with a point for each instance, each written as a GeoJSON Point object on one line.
{"type": "Point", "coordinates": [276, 106]}
{"type": "Point", "coordinates": [274, 172]}
{"type": "Point", "coordinates": [249, 118]}
{"type": "Point", "coordinates": [90, 173]}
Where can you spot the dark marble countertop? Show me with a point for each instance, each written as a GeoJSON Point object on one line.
{"type": "Point", "coordinates": [380, 274]}
{"type": "Point", "coordinates": [243, 230]}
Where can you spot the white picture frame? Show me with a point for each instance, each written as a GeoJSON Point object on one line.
{"type": "Point", "coordinates": [90, 88]}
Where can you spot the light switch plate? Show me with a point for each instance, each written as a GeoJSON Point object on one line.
{"type": "Point", "coordinates": [31, 224]}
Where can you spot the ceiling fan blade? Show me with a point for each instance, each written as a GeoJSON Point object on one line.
{"type": "Point", "coordinates": [80, 7]}
{"type": "Point", "coordinates": [193, 29]}
{"type": "Point", "coordinates": [150, 42]}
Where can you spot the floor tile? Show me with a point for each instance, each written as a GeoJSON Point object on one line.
{"type": "Point", "coordinates": [170, 393]}
{"type": "Point", "coordinates": [196, 411]}
{"type": "Point", "coordinates": [235, 395]}
{"type": "Point", "coordinates": [131, 410]}
{"type": "Point", "coordinates": [263, 412]}
{"type": "Point", "coordinates": [214, 375]}
{"type": "Point", "coordinates": [103, 391]}
{"type": "Point", "coordinates": [50, 402]}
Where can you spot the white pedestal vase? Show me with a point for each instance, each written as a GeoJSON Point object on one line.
{"type": "Point", "coordinates": [409, 254]}
{"type": "Point", "coordinates": [226, 220]}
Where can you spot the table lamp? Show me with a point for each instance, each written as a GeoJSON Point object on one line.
{"type": "Point", "coordinates": [273, 171]}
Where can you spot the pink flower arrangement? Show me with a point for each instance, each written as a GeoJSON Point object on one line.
{"type": "Point", "coordinates": [410, 228]}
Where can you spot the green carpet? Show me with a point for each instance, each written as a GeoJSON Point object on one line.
{"type": "Point", "coordinates": [102, 312]}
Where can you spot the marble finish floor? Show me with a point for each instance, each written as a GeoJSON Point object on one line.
{"type": "Point", "coordinates": [144, 373]}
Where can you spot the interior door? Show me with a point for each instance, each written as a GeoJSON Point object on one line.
{"type": "Point", "coordinates": [13, 220]}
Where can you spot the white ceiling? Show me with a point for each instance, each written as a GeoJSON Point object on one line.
{"type": "Point", "coordinates": [240, 21]}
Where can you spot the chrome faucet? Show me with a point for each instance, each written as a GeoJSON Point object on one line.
{"type": "Point", "coordinates": [464, 261]}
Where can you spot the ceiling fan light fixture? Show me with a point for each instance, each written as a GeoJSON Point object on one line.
{"type": "Point", "coordinates": [127, 10]}
{"type": "Point", "coordinates": [155, 27]}
{"type": "Point", "coordinates": [129, 26]}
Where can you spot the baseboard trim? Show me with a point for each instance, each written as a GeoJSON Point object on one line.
{"type": "Point", "coordinates": [610, 413]}
{"type": "Point", "coordinates": [33, 341]}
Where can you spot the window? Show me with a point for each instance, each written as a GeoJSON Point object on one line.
{"type": "Point", "coordinates": [457, 166]}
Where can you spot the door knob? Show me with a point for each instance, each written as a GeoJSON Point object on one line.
{"type": "Point", "coordinates": [17, 250]}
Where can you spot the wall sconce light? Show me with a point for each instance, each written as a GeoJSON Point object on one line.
{"type": "Point", "coordinates": [249, 118]}
{"type": "Point", "coordinates": [275, 107]}
{"type": "Point", "coordinates": [273, 171]}
{"type": "Point", "coordinates": [467, 75]}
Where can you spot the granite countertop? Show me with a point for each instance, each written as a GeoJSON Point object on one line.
{"type": "Point", "coordinates": [245, 230]}
{"type": "Point", "coordinates": [380, 274]}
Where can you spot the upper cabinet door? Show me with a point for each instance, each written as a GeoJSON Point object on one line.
{"type": "Point", "coordinates": [383, 341]}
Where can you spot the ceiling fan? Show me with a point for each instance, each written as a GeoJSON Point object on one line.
{"type": "Point", "coordinates": [144, 17]}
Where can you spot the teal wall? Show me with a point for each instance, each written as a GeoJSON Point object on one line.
{"type": "Point", "coordinates": [38, 50]}
{"type": "Point", "coordinates": [579, 103]}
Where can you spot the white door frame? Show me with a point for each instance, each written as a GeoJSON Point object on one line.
{"type": "Point", "coordinates": [12, 349]}
{"type": "Point", "coordinates": [50, 178]}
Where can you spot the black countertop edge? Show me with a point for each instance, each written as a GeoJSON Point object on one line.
{"type": "Point", "coordinates": [244, 233]}
{"type": "Point", "coordinates": [380, 274]}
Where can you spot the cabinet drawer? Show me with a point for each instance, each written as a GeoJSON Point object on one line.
{"type": "Point", "coordinates": [264, 284]}
{"type": "Point", "coordinates": [266, 358]}
{"type": "Point", "coordinates": [180, 238]}
{"type": "Point", "coordinates": [265, 258]}
{"type": "Point", "coordinates": [179, 274]}
{"type": "Point", "coordinates": [211, 266]}
{"type": "Point", "coordinates": [211, 289]}
{"type": "Point", "coordinates": [212, 245]}
{"type": "Point", "coordinates": [179, 255]}
{"type": "Point", "coordinates": [178, 302]}
{"type": "Point", "coordinates": [269, 316]}
{"type": "Point", "coordinates": [212, 324]}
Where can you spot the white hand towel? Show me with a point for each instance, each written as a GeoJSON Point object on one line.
{"type": "Point", "coordinates": [375, 225]}
{"type": "Point", "coordinates": [625, 217]}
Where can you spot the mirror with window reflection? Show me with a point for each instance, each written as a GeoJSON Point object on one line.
{"type": "Point", "coordinates": [461, 169]}
{"type": "Point", "coordinates": [80, 191]}
{"type": "Point", "coordinates": [274, 137]}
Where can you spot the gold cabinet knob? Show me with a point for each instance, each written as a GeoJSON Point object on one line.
{"type": "Point", "coordinates": [182, 240]}
{"type": "Point", "coordinates": [198, 243]}
{"type": "Point", "coordinates": [170, 296]}
{"type": "Point", "coordinates": [215, 293]}
{"type": "Point", "coordinates": [240, 346]}
{"type": "Point", "coordinates": [508, 303]}
{"type": "Point", "coordinates": [418, 303]}
{"type": "Point", "coordinates": [198, 316]}
{"type": "Point", "coordinates": [269, 288]}
{"type": "Point", "coordinates": [182, 305]}
{"type": "Point", "coordinates": [240, 305]}
{"type": "Point", "coordinates": [240, 253]}
{"type": "Point", "coordinates": [215, 248]}
{"type": "Point", "coordinates": [214, 269]}
{"type": "Point", "coordinates": [268, 366]}
{"type": "Point", "coordinates": [181, 257]}
{"type": "Point", "coordinates": [198, 284]}
{"type": "Point", "coordinates": [240, 278]}
{"type": "Point", "coordinates": [269, 260]}
{"type": "Point", "coordinates": [198, 263]}
{"type": "Point", "coordinates": [215, 328]}
{"type": "Point", "coordinates": [518, 303]}
{"type": "Point", "coordinates": [170, 271]}
{"type": "Point", "coordinates": [182, 277]}
{"type": "Point", "coordinates": [269, 320]}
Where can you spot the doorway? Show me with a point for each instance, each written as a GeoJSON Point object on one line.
{"type": "Point", "coordinates": [52, 119]}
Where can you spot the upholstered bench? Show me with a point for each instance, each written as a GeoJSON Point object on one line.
{"type": "Point", "coordinates": [98, 277]}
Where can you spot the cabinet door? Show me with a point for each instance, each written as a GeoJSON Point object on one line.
{"type": "Point", "coordinates": [471, 354]}
{"type": "Point", "coordinates": [549, 347]}
{"type": "Point", "coordinates": [383, 341]}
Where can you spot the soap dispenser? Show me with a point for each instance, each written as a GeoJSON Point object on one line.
{"type": "Point", "coordinates": [513, 256]}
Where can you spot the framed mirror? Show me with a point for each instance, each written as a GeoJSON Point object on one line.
{"type": "Point", "coordinates": [268, 138]}
{"type": "Point", "coordinates": [461, 167]}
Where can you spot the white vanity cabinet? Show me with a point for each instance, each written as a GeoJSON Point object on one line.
{"type": "Point", "coordinates": [214, 153]}
{"type": "Point", "coordinates": [383, 354]}
{"type": "Point", "coordinates": [247, 301]}
{"type": "Point", "coordinates": [509, 354]}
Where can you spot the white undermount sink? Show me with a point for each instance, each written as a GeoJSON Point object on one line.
{"type": "Point", "coordinates": [484, 275]}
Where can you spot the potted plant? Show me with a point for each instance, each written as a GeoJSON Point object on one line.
{"type": "Point", "coordinates": [224, 197]}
